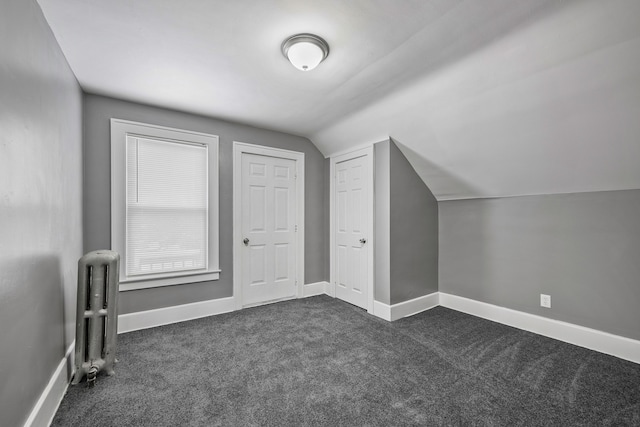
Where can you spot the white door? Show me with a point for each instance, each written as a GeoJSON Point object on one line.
{"type": "Point", "coordinates": [352, 210]}
{"type": "Point", "coordinates": [268, 228]}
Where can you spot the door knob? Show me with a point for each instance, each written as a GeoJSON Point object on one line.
{"type": "Point", "coordinates": [245, 241]}
{"type": "Point", "coordinates": [363, 241]}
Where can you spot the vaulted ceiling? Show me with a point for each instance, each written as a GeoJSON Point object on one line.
{"type": "Point", "coordinates": [486, 98]}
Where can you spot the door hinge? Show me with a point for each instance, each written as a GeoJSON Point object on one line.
{"type": "Point", "coordinates": [296, 228]}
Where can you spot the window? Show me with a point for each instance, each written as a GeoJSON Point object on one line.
{"type": "Point", "coordinates": [164, 205]}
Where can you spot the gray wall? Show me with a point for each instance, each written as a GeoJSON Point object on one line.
{"type": "Point", "coordinates": [326, 212]}
{"type": "Point", "coordinates": [413, 231]}
{"type": "Point", "coordinates": [406, 229]}
{"type": "Point", "coordinates": [40, 206]}
{"type": "Point", "coordinates": [97, 112]}
{"type": "Point", "coordinates": [582, 249]}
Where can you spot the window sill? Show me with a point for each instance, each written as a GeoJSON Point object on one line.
{"type": "Point", "coordinates": [146, 283]}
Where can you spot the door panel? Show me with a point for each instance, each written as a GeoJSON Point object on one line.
{"type": "Point", "coordinates": [282, 209]}
{"type": "Point", "coordinates": [269, 224]}
{"type": "Point", "coordinates": [258, 208]}
{"type": "Point", "coordinates": [257, 262]}
{"type": "Point", "coordinates": [352, 206]}
{"type": "Point", "coordinates": [281, 262]}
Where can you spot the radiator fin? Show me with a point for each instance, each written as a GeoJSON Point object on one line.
{"type": "Point", "coordinates": [96, 321]}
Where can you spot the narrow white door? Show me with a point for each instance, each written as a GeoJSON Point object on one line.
{"type": "Point", "coordinates": [352, 209]}
{"type": "Point", "coordinates": [268, 228]}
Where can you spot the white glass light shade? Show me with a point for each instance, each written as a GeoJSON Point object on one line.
{"type": "Point", "coordinates": [305, 56]}
{"type": "Point", "coordinates": [305, 51]}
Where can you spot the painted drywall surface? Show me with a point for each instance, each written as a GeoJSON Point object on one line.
{"type": "Point", "coordinates": [97, 197]}
{"type": "Point", "coordinates": [326, 199]}
{"type": "Point", "coordinates": [179, 54]}
{"type": "Point", "coordinates": [382, 218]}
{"type": "Point", "coordinates": [413, 223]}
{"type": "Point", "coordinates": [582, 249]}
{"type": "Point", "coordinates": [406, 229]}
{"type": "Point", "coordinates": [40, 206]}
{"type": "Point", "coordinates": [549, 106]}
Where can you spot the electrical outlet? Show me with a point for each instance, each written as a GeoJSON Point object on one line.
{"type": "Point", "coordinates": [545, 300]}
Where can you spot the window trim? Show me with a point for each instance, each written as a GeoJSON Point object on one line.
{"type": "Point", "coordinates": [119, 131]}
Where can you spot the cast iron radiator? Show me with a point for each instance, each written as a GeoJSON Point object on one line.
{"type": "Point", "coordinates": [97, 316]}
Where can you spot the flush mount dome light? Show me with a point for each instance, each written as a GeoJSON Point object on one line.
{"type": "Point", "coordinates": [305, 51]}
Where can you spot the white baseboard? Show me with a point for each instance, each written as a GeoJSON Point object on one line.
{"type": "Point", "coordinates": [622, 347]}
{"type": "Point", "coordinates": [177, 313]}
{"type": "Point", "coordinates": [414, 306]}
{"type": "Point", "coordinates": [47, 405]}
{"type": "Point", "coordinates": [604, 342]}
{"type": "Point", "coordinates": [382, 310]}
{"type": "Point", "coordinates": [313, 289]}
{"type": "Point", "coordinates": [405, 308]}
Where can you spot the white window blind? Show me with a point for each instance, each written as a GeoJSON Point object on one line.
{"type": "Point", "coordinates": [166, 206]}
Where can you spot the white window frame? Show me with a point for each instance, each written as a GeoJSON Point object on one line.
{"type": "Point", "coordinates": [120, 129]}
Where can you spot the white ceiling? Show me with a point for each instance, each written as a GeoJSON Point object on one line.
{"type": "Point", "coordinates": [486, 98]}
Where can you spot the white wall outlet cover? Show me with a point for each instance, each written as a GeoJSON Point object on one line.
{"type": "Point", "coordinates": [545, 300]}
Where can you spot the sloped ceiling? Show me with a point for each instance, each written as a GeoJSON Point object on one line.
{"type": "Point", "coordinates": [485, 98]}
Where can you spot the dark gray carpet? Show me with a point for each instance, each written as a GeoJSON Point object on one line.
{"type": "Point", "coordinates": [320, 361]}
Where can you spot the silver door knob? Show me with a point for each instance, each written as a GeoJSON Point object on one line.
{"type": "Point", "coordinates": [363, 241]}
{"type": "Point", "coordinates": [245, 241]}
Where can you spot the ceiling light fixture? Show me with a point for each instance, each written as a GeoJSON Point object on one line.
{"type": "Point", "coordinates": [305, 51]}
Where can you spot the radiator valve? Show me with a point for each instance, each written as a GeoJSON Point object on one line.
{"type": "Point", "coordinates": [91, 376]}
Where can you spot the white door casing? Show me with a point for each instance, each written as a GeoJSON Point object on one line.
{"type": "Point", "coordinates": [352, 227]}
{"type": "Point", "coordinates": [269, 214]}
